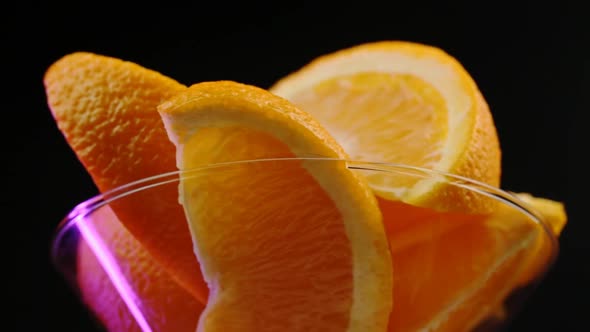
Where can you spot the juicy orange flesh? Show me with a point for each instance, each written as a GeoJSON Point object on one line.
{"type": "Point", "coordinates": [275, 254]}
{"type": "Point", "coordinates": [165, 304]}
{"type": "Point", "coordinates": [370, 112]}
{"type": "Point", "coordinates": [460, 267]}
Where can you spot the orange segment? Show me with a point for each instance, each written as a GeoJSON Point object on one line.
{"type": "Point", "coordinates": [402, 102]}
{"type": "Point", "coordinates": [165, 305]}
{"type": "Point", "coordinates": [553, 214]}
{"type": "Point", "coordinates": [106, 110]}
{"type": "Point", "coordinates": [460, 277]}
{"type": "Point", "coordinates": [551, 211]}
{"type": "Point", "coordinates": [453, 270]}
{"type": "Point", "coordinates": [284, 246]}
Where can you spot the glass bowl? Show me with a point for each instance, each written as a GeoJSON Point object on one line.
{"type": "Point", "coordinates": [453, 270]}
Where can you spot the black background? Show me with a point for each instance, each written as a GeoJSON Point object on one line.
{"type": "Point", "coordinates": [529, 60]}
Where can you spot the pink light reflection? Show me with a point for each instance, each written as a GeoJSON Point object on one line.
{"type": "Point", "coordinates": [112, 270]}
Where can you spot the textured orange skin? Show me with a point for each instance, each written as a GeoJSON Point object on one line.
{"type": "Point", "coordinates": [106, 110]}
{"type": "Point", "coordinates": [481, 161]}
{"type": "Point", "coordinates": [165, 305]}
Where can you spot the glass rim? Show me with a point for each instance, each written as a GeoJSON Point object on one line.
{"type": "Point", "coordinates": [95, 202]}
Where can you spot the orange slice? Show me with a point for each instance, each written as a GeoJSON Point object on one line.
{"type": "Point", "coordinates": [553, 212]}
{"type": "Point", "coordinates": [480, 260]}
{"type": "Point", "coordinates": [164, 305]}
{"type": "Point", "coordinates": [283, 246]}
{"type": "Point", "coordinates": [106, 110]}
{"type": "Point", "coordinates": [408, 103]}
{"type": "Point", "coordinates": [553, 215]}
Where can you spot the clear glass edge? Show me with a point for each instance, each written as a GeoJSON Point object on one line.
{"type": "Point", "coordinates": [88, 206]}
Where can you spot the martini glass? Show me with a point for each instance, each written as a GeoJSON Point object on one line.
{"type": "Point", "coordinates": [453, 270]}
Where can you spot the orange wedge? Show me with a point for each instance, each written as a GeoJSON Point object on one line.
{"type": "Point", "coordinates": [164, 305]}
{"type": "Point", "coordinates": [551, 211]}
{"type": "Point", "coordinates": [456, 253]}
{"type": "Point", "coordinates": [106, 110]}
{"type": "Point", "coordinates": [480, 260]}
{"type": "Point", "coordinates": [283, 246]}
{"type": "Point", "coordinates": [408, 103]}
{"type": "Point", "coordinates": [554, 217]}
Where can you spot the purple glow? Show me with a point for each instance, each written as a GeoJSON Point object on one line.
{"type": "Point", "coordinates": [112, 270]}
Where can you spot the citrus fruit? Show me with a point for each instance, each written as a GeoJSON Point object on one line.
{"type": "Point", "coordinates": [106, 109]}
{"type": "Point", "coordinates": [479, 260]}
{"type": "Point", "coordinates": [553, 215]}
{"type": "Point", "coordinates": [553, 212]}
{"type": "Point", "coordinates": [283, 246]}
{"type": "Point", "coordinates": [406, 103]}
{"type": "Point", "coordinates": [163, 304]}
